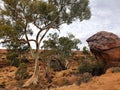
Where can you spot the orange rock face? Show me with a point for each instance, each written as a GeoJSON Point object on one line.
{"type": "Point", "coordinates": [112, 57]}
{"type": "Point", "coordinates": [106, 46]}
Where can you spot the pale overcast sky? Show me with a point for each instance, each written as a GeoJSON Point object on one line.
{"type": "Point", "coordinates": [105, 17]}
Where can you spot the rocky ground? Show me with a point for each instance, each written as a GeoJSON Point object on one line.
{"type": "Point", "coordinates": [107, 81]}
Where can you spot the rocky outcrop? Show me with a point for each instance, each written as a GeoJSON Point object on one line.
{"type": "Point", "coordinates": [105, 46]}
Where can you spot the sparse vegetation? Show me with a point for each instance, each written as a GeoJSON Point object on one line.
{"type": "Point", "coordinates": [21, 72]}
{"type": "Point", "coordinates": [16, 53]}
{"type": "Point", "coordinates": [115, 69]}
{"type": "Point", "coordinates": [86, 51]}
{"type": "Point", "coordinates": [84, 78]}
{"type": "Point", "coordinates": [83, 72]}
{"type": "Point", "coordinates": [94, 67]}
{"type": "Point", "coordinates": [55, 65]}
{"type": "Point", "coordinates": [98, 67]}
{"type": "Point", "coordinates": [61, 46]}
{"type": "Point", "coordinates": [84, 67]}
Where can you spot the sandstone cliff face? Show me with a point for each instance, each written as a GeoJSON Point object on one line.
{"type": "Point", "coordinates": [106, 46]}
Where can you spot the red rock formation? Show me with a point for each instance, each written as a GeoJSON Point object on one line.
{"type": "Point", "coordinates": [106, 46]}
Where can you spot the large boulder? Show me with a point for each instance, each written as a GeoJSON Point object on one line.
{"type": "Point", "coordinates": [106, 47]}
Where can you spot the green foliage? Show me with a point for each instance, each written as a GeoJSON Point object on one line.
{"type": "Point", "coordinates": [63, 46]}
{"type": "Point", "coordinates": [12, 59]}
{"type": "Point", "coordinates": [16, 53]}
{"type": "Point", "coordinates": [94, 67]}
{"type": "Point", "coordinates": [115, 69]}
{"type": "Point", "coordinates": [98, 67]}
{"type": "Point", "coordinates": [77, 9]}
{"type": "Point", "coordinates": [21, 72]}
{"type": "Point", "coordinates": [85, 51]}
{"type": "Point", "coordinates": [67, 44]}
{"type": "Point", "coordinates": [47, 11]}
{"type": "Point", "coordinates": [17, 15]}
{"type": "Point", "coordinates": [55, 66]}
{"type": "Point", "coordinates": [52, 41]}
{"type": "Point", "coordinates": [85, 66]}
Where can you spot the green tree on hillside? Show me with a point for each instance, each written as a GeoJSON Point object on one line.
{"type": "Point", "coordinates": [67, 44]}
{"type": "Point", "coordinates": [16, 53]}
{"type": "Point", "coordinates": [61, 46]}
{"type": "Point", "coordinates": [17, 17]}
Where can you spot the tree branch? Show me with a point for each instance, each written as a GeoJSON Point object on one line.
{"type": "Point", "coordinates": [43, 36]}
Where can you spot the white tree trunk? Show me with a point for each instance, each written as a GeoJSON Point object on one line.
{"type": "Point", "coordinates": [34, 78]}
{"type": "Point", "coordinates": [66, 63]}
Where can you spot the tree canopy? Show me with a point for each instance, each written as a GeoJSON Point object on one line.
{"type": "Point", "coordinates": [62, 45]}
{"type": "Point", "coordinates": [17, 16]}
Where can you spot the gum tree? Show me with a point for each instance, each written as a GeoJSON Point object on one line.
{"type": "Point", "coordinates": [17, 17]}
{"type": "Point", "coordinates": [62, 46]}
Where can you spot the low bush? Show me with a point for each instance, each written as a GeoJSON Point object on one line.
{"type": "Point", "coordinates": [55, 65]}
{"type": "Point", "coordinates": [115, 69]}
{"type": "Point", "coordinates": [84, 78]}
{"type": "Point", "coordinates": [97, 68]}
{"type": "Point", "coordinates": [13, 61]}
{"type": "Point", "coordinates": [21, 72]}
{"type": "Point", "coordinates": [84, 67]}
{"type": "Point", "coordinates": [94, 67]}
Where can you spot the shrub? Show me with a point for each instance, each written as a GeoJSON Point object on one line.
{"type": "Point", "coordinates": [14, 62]}
{"type": "Point", "coordinates": [85, 50]}
{"type": "Point", "coordinates": [115, 69]}
{"type": "Point", "coordinates": [84, 78]}
{"type": "Point", "coordinates": [12, 59]}
{"type": "Point", "coordinates": [55, 65]}
{"type": "Point", "coordinates": [84, 67]}
{"type": "Point", "coordinates": [94, 67]}
{"type": "Point", "coordinates": [21, 72]}
{"type": "Point", "coordinates": [97, 67]}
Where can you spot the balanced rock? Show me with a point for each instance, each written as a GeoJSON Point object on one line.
{"type": "Point", "coordinates": [106, 47]}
